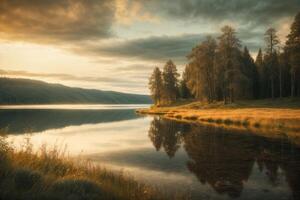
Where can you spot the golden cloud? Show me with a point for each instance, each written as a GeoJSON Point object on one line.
{"type": "Point", "coordinates": [55, 20]}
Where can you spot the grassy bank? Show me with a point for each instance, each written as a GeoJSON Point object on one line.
{"type": "Point", "coordinates": [49, 174]}
{"type": "Point", "coordinates": [280, 114]}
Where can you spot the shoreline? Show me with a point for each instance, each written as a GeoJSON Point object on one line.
{"type": "Point", "coordinates": [254, 115]}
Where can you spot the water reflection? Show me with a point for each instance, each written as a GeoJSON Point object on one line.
{"type": "Point", "coordinates": [18, 121]}
{"type": "Point", "coordinates": [225, 159]}
{"type": "Point", "coordinates": [210, 162]}
{"type": "Point", "coordinates": [165, 134]}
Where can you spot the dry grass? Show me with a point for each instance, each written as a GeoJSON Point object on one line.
{"type": "Point", "coordinates": [279, 114]}
{"type": "Point", "coordinates": [50, 174]}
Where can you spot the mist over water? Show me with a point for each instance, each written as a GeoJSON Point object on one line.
{"type": "Point", "coordinates": [205, 161]}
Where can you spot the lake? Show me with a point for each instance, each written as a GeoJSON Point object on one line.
{"type": "Point", "coordinates": [206, 162]}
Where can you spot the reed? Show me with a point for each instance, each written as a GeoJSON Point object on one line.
{"type": "Point", "coordinates": [49, 173]}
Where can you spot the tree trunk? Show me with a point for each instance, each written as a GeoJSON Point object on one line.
{"type": "Point", "coordinates": [231, 95]}
{"type": "Point", "coordinates": [214, 95]}
{"type": "Point", "coordinates": [272, 87]}
{"type": "Point", "coordinates": [280, 82]}
{"type": "Point", "coordinates": [224, 95]}
{"type": "Point", "coordinates": [292, 83]}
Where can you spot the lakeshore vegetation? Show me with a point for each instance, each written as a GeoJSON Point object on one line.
{"type": "Point", "coordinates": [49, 173]}
{"type": "Point", "coordinates": [222, 84]}
{"type": "Point", "coordinates": [221, 70]}
{"type": "Point", "coordinates": [265, 116]}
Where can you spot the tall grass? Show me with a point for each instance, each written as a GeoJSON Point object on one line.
{"type": "Point", "coordinates": [49, 174]}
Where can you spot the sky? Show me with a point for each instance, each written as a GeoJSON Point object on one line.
{"type": "Point", "coordinates": [115, 44]}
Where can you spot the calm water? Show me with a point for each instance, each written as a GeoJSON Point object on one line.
{"type": "Point", "coordinates": [208, 162]}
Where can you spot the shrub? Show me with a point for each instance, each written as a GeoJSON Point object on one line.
{"type": "Point", "coordinates": [246, 123]}
{"type": "Point", "coordinates": [228, 121]}
{"type": "Point", "coordinates": [219, 121]}
{"type": "Point", "coordinates": [256, 124]}
{"type": "Point", "coordinates": [25, 179]}
{"type": "Point", "coordinates": [210, 120]}
{"type": "Point", "coordinates": [193, 117]}
{"type": "Point", "coordinates": [77, 189]}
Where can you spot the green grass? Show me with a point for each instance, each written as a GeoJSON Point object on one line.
{"type": "Point", "coordinates": [49, 174]}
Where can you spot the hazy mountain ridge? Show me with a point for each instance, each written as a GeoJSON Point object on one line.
{"type": "Point", "coordinates": [27, 91]}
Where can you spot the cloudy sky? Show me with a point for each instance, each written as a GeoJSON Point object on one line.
{"type": "Point", "coordinates": [114, 44]}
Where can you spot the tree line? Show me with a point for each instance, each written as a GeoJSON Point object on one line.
{"type": "Point", "coordinates": [219, 69]}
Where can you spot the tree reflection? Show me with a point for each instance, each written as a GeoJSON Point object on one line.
{"type": "Point", "coordinates": [166, 134]}
{"type": "Point", "coordinates": [219, 159]}
{"type": "Point", "coordinates": [224, 159]}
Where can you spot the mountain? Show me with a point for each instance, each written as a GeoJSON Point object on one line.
{"type": "Point", "coordinates": [27, 91]}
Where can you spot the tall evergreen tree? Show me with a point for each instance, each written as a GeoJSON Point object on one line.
{"type": "Point", "coordinates": [259, 63]}
{"type": "Point", "coordinates": [184, 91]}
{"type": "Point", "coordinates": [272, 41]}
{"type": "Point", "coordinates": [228, 52]}
{"type": "Point", "coordinates": [293, 51]}
{"type": "Point", "coordinates": [156, 86]}
{"type": "Point", "coordinates": [250, 71]}
{"type": "Point", "coordinates": [170, 82]}
{"type": "Point", "coordinates": [284, 74]}
{"type": "Point", "coordinates": [271, 57]}
{"type": "Point", "coordinates": [259, 59]}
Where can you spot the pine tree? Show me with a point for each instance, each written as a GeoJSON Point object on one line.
{"type": "Point", "coordinates": [184, 91]}
{"type": "Point", "coordinates": [228, 52]}
{"type": "Point", "coordinates": [293, 51]}
{"type": "Point", "coordinates": [250, 71]}
{"type": "Point", "coordinates": [259, 59]}
{"type": "Point", "coordinates": [259, 63]}
{"type": "Point", "coordinates": [271, 59]}
{"type": "Point", "coordinates": [272, 41]}
{"type": "Point", "coordinates": [170, 82]}
{"type": "Point", "coordinates": [156, 86]}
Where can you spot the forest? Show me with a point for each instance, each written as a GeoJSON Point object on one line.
{"type": "Point", "coordinates": [221, 69]}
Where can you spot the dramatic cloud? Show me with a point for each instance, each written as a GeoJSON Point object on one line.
{"type": "Point", "coordinates": [152, 48]}
{"type": "Point", "coordinates": [82, 23]}
{"type": "Point", "coordinates": [55, 20]}
{"type": "Point", "coordinates": [248, 12]}
{"type": "Point", "coordinates": [160, 49]}
{"type": "Point", "coordinates": [127, 12]}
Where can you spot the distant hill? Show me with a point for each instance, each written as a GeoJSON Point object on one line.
{"type": "Point", "coordinates": [26, 91]}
